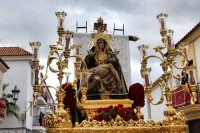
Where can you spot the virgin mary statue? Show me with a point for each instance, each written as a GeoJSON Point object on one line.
{"type": "Point", "coordinates": [105, 74]}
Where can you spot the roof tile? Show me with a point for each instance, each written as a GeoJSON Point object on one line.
{"type": "Point", "coordinates": [14, 51]}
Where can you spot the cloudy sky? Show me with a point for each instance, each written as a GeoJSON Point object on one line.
{"type": "Point", "coordinates": [24, 21]}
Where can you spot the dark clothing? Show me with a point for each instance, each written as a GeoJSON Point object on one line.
{"type": "Point", "coordinates": [40, 118]}
{"type": "Point", "coordinates": [92, 61]}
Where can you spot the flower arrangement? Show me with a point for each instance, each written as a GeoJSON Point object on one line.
{"type": "Point", "coordinates": [136, 93]}
{"type": "Point", "coordinates": [109, 113]}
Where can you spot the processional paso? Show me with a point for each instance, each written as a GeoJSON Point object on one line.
{"type": "Point", "coordinates": [100, 74]}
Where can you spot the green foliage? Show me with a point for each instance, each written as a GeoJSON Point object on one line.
{"type": "Point", "coordinates": [12, 109]}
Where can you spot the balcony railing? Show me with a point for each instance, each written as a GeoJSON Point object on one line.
{"type": "Point", "coordinates": [181, 97]}
{"type": "Point", "coordinates": [192, 111]}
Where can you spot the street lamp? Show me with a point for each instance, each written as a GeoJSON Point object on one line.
{"type": "Point", "coordinates": [15, 93]}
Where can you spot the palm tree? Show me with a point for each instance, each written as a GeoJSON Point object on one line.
{"type": "Point", "coordinates": [12, 109]}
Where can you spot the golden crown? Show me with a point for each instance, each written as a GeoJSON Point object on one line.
{"type": "Point", "coordinates": [101, 35]}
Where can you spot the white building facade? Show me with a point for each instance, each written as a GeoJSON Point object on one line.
{"type": "Point", "coordinates": [20, 74]}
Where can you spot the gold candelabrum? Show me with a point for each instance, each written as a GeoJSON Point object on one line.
{"type": "Point", "coordinates": [168, 65]}
{"type": "Point", "coordinates": [57, 63]}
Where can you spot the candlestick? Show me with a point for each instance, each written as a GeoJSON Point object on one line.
{"type": "Point", "coordinates": [162, 24]}
{"type": "Point", "coordinates": [35, 46]}
{"type": "Point", "coordinates": [185, 51]}
{"type": "Point", "coordinates": [61, 17]}
{"type": "Point", "coordinates": [61, 23]}
{"type": "Point", "coordinates": [84, 79]}
{"type": "Point", "coordinates": [35, 53]}
{"type": "Point", "coordinates": [169, 41]}
{"type": "Point", "coordinates": [36, 76]}
{"type": "Point", "coordinates": [146, 78]}
{"type": "Point", "coordinates": [67, 43]}
{"type": "Point", "coordinates": [162, 17]}
{"type": "Point", "coordinates": [143, 50]}
{"type": "Point", "coordinates": [77, 51]}
{"type": "Point", "coordinates": [191, 77]}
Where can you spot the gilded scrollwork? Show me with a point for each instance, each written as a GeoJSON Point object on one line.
{"type": "Point", "coordinates": [55, 120]}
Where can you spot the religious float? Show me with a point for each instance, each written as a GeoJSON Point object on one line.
{"type": "Point", "coordinates": [98, 99]}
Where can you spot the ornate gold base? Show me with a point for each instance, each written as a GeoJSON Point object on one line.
{"type": "Point", "coordinates": [171, 124]}
{"type": "Point", "coordinates": [155, 129]}
{"type": "Point", "coordinates": [60, 121]}
{"type": "Point", "coordinates": [134, 127]}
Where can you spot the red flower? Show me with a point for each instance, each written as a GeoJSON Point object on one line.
{"type": "Point", "coordinates": [122, 111]}
{"type": "Point", "coordinates": [120, 105]}
{"type": "Point", "coordinates": [132, 111]}
{"type": "Point", "coordinates": [126, 117]}
{"type": "Point", "coordinates": [99, 110]}
{"type": "Point", "coordinates": [128, 110]}
{"type": "Point", "coordinates": [135, 117]}
{"type": "Point", "coordinates": [142, 117]}
{"type": "Point", "coordinates": [106, 110]}
{"type": "Point", "coordinates": [95, 117]}
{"type": "Point", "coordinates": [110, 107]}
{"type": "Point", "coordinates": [113, 115]}
{"type": "Point", "coordinates": [69, 101]}
{"type": "Point", "coordinates": [100, 117]}
{"type": "Point", "coordinates": [116, 107]}
{"type": "Point", "coordinates": [106, 117]}
{"type": "Point", "coordinates": [136, 93]}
